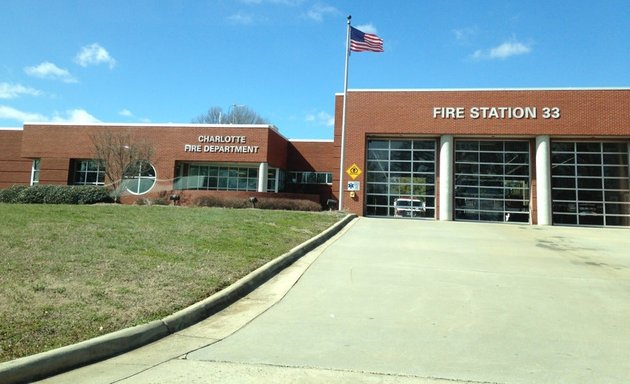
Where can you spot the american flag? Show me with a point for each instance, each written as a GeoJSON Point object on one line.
{"type": "Point", "coordinates": [364, 42]}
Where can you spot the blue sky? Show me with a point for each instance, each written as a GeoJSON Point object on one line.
{"type": "Point", "coordinates": [161, 61]}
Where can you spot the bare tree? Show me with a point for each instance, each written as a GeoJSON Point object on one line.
{"type": "Point", "coordinates": [122, 154]}
{"type": "Point", "coordinates": [237, 114]}
{"type": "Point", "coordinates": [213, 116]}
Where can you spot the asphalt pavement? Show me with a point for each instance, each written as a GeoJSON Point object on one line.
{"type": "Point", "coordinates": [413, 301]}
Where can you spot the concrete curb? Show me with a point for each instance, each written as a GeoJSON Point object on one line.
{"type": "Point", "coordinates": [46, 364]}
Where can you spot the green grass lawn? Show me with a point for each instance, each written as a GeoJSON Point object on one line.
{"type": "Point", "coordinates": [69, 273]}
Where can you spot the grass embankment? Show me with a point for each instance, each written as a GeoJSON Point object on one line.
{"type": "Point", "coordinates": [69, 273]}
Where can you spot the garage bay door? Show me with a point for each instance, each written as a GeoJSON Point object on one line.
{"type": "Point", "coordinates": [590, 183]}
{"type": "Point", "coordinates": [403, 171]}
{"type": "Point", "coordinates": [492, 181]}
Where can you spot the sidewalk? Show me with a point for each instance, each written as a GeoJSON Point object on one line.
{"type": "Point", "coordinates": [410, 301]}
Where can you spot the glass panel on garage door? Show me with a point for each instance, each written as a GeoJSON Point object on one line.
{"type": "Point", "coordinates": [492, 181]}
{"type": "Point", "coordinates": [400, 178]}
{"type": "Point", "coordinates": [590, 183]}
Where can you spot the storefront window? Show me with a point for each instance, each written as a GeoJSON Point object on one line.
{"type": "Point", "coordinates": [225, 177]}
{"type": "Point", "coordinates": [310, 177]}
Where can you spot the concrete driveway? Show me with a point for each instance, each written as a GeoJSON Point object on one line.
{"type": "Point", "coordinates": [407, 301]}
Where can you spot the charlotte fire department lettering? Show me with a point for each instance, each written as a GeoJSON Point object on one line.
{"type": "Point", "coordinates": [207, 148]}
{"type": "Point", "coordinates": [197, 148]}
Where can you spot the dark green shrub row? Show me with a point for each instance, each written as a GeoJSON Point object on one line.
{"type": "Point", "coordinates": [54, 194]}
{"type": "Point", "coordinates": [262, 203]}
{"type": "Point", "coordinates": [289, 204]}
{"type": "Point", "coordinates": [224, 202]}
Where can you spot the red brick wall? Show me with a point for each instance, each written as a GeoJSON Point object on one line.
{"type": "Point", "coordinates": [57, 144]}
{"type": "Point", "coordinates": [312, 156]}
{"type": "Point", "coordinates": [583, 114]}
{"type": "Point", "coordinates": [276, 150]}
{"type": "Point", "coordinates": [13, 168]}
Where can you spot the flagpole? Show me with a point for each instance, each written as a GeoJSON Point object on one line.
{"type": "Point", "coordinates": [343, 116]}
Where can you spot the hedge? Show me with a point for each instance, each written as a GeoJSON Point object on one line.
{"type": "Point", "coordinates": [54, 194]}
{"type": "Point", "coordinates": [262, 203]}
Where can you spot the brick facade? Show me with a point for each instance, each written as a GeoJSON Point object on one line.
{"type": "Point", "coordinates": [313, 156]}
{"type": "Point", "coordinates": [57, 144]}
{"type": "Point", "coordinates": [570, 114]}
{"type": "Point", "coordinates": [583, 114]}
{"type": "Point", "coordinates": [14, 169]}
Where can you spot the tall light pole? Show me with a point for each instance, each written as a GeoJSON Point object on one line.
{"type": "Point", "coordinates": [231, 111]}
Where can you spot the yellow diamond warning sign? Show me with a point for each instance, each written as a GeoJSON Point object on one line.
{"type": "Point", "coordinates": [354, 171]}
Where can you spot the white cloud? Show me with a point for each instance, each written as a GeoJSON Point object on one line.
{"type": "Point", "coordinates": [125, 112]}
{"type": "Point", "coordinates": [319, 10]}
{"type": "Point", "coordinates": [11, 113]}
{"type": "Point", "coordinates": [241, 19]}
{"type": "Point", "coordinates": [502, 51]}
{"type": "Point", "coordinates": [367, 28]}
{"type": "Point", "coordinates": [10, 91]}
{"type": "Point", "coordinates": [130, 116]}
{"type": "Point", "coordinates": [321, 118]}
{"type": "Point", "coordinates": [465, 35]}
{"type": "Point", "coordinates": [94, 54]}
{"type": "Point", "coordinates": [48, 70]}
{"type": "Point", "coordinates": [79, 116]}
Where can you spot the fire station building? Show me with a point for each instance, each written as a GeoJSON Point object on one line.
{"type": "Point", "coordinates": [189, 160]}
{"type": "Point", "coordinates": [537, 156]}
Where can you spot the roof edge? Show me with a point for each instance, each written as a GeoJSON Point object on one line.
{"type": "Point", "coordinates": [153, 125]}
{"type": "Point", "coordinates": [485, 89]}
{"type": "Point", "coordinates": [312, 140]}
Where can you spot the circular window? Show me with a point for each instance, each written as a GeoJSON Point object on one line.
{"type": "Point", "coordinates": [139, 177]}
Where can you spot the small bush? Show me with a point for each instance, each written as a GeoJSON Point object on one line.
{"type": "Point", "coordinates": [92, 194]}
{"type": "Point", "coordinates": [33, 195]}
{"type": "Point", "coordinates": [10, 195]}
